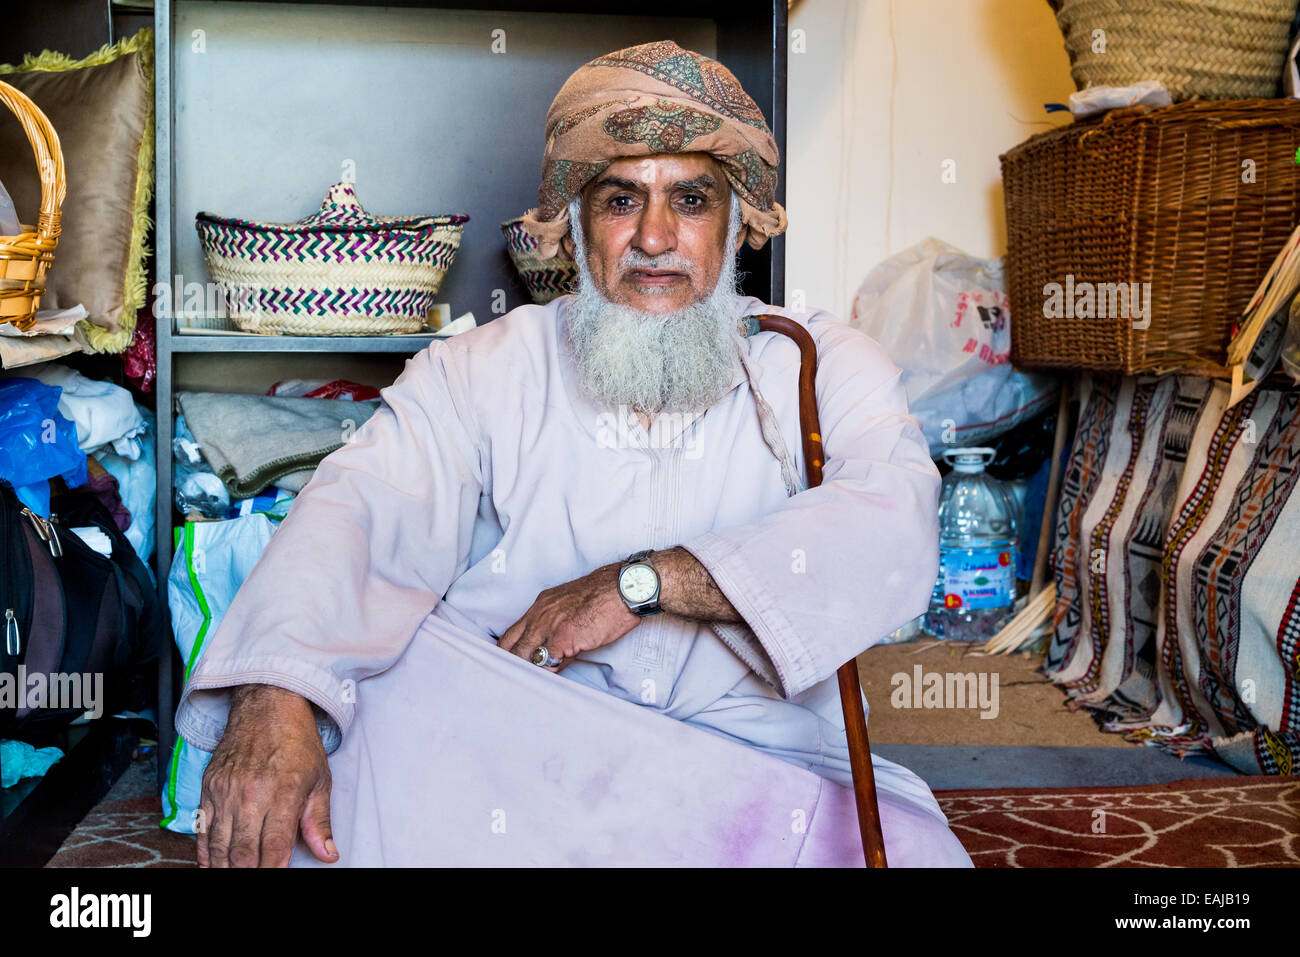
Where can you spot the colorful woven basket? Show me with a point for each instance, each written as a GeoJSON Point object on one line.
{"type": "Point", "coordinates": [545, 278]}
{"type": "Point", "coordinates": [338, 272]}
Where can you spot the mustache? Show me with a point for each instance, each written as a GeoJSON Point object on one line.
{"type": "Point", "coordinates": [635, 259]}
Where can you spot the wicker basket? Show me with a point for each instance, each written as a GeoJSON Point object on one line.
{"type": "Point", "coordinates": [1212, 49]}
{"type": "Point", "coordinates": [546, 279]}
{"type": "Point", "coordinates": [339, 272]}
{"type": "Point", "coordinates": [1195, 199]}
{"type": "Point", "coordinates": [25, 259]}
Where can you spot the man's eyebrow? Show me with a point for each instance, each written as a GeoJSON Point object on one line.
{"type": "Point", "coordinates": [618, 182]}
{"type": "Point", "coordinates": [704, 181]}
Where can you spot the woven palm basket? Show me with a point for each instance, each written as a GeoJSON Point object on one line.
{"type": "Point", "coordinates": [1194, 200]}
{"type": "Point", "coordinates": [339, 272]}
{"type": "Point", "coordinates": [546, 279]}
{"type": "Point", "coordinates": [1211, 49]}
{"type": "Point", "coordinates": [25, 259]}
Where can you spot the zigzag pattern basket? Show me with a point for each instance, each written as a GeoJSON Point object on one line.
{"type": "Point", "coordinates": [546, 279]}
{"type": "Point", "coordinates": [339, 272]}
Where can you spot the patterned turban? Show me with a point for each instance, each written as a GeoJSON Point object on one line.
{"type": "Point", "coordinates": [655, 98]}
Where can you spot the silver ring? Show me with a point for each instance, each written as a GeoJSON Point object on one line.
{"type": "Point", "coordinates": [542, 658]}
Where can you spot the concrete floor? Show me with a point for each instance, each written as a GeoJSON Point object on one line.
{"type": "Point", "coordinates": [1029, 738]}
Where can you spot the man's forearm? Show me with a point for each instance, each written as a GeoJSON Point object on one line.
{"type": "Point", "coordinates": [686, 588]}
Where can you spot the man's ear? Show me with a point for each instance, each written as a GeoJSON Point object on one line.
{"type": "Point", "coordinates": [740, 240]}
{"type": "Point", "coordinates": [568, 247]}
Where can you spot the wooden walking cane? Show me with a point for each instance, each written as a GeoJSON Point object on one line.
{"type": "Point", "coordinates": [855, 720]}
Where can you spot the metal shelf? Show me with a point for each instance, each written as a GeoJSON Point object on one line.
{"type": "Point", "coordinates": [408, 345]}
{"type": "Point", "coordinates": [750, 38]}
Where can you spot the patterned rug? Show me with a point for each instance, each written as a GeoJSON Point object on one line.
{"type": "Point", "coordinates": [122, 830]}
{"type": "Point", "coordinates": [1212, 822]}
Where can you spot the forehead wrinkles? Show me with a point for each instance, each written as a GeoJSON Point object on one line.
{"type": "Point", "coordinates": [647, 172]}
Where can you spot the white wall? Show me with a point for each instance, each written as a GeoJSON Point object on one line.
{"type": "Point", "coordinates": [886, 91]}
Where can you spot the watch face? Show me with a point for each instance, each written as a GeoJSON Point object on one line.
{"type": "Point", "coordinates": [638, 583]}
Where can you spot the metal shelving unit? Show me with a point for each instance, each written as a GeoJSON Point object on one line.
{"type": "Point", "coordinates": [750, 39]}
{"type": "Point", "coordinates": [402, 345]}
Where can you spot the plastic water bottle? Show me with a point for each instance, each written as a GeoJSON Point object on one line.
{"type": "Point", "coordinates": [978, 544]}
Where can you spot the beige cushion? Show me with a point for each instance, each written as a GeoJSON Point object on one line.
{"type": "Point", "coordinates": [102, 110]}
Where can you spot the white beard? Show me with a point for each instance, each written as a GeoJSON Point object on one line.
{"type": "Point", "coordinates": [679, 361]}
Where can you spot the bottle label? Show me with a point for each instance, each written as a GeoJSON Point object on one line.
{"type": "Point", "coordinates": [979, 578]}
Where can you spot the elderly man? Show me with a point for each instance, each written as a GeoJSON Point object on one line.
{"type": "Point", "coordinates": [610, 487]}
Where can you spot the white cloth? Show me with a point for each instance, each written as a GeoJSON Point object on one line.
{"type": "Point", "coordinates": [486, 477]}
{"type": "Point", "coordinates": [104, 413]}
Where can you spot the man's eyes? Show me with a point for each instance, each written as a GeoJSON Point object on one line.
{"type": "Point", "coordinates": [692, 201]}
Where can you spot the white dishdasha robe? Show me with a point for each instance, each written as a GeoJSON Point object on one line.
{"type": "Point", "coordinates": [487, 476]}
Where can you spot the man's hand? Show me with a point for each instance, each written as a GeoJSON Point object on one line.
{"type": "Point", "coordinates": [569, 619]}
{"type": "Point", "coordinates": [588, 613]}
{"type": "Point", "coordinates": [268, 778]}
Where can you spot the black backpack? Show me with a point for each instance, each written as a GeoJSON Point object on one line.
{"type": "Point", "coordinates": [67, 609]}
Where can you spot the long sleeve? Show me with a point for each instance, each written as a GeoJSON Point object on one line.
{"type": "Point", "coordinates": [366, 552]}
{"type": "Point", "coordinates": [836, 568]}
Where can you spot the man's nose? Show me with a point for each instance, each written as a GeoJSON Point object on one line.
{"type": "Point", "coordinates": [656, 231]}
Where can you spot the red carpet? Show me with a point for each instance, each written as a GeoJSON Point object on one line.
{"type": "Point", "coordinates": [1207, 822]}
{"type": "Point", "coordinates": [125, 833]}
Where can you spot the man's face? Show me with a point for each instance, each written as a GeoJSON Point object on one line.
{"type": "Point", "coordinates": [655, 229]}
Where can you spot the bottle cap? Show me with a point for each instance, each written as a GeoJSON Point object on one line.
{"type": "Point", "coordinates": [970, 459]}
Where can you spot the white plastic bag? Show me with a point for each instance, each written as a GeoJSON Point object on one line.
{"type": "Point", "coordinates": [9, 225]}
{"type": "Point", "coordinates": [137, 484]}
{"type": "Point", "coordinates": [212, 560]}
{"type": "Point", "coordinates": [1291, 342]}
{"type": "Point", "coordinates": [1099, 99]}
{"type": "Point", "coordinates": [943, 317]}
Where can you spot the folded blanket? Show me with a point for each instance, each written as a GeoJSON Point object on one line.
{"type": "Point", "coordinates": [19, 351]}
{"type": "Point", "coordinates": [251, 441]}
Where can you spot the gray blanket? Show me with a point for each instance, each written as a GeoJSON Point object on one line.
{"type": "Point", "coordinates": [252, 441]}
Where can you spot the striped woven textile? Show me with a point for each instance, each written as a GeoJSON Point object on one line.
{"type": "Point", "coordinates": [1178, 584]}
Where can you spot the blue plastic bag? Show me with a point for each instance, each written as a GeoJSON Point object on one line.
{"type": "Point", "coordinates": [37, 443]}
{"type": "Point", "coordinates": [19, 760]}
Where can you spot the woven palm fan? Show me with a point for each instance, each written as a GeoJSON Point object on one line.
{"type": "Point", "coordinates": [25, 259]}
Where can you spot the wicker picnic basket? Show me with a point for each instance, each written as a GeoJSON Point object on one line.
{"type": "Point", "coordinates": [25, 259]}
{"type": "Point", "coordinates": [546, 279]}
{"type": "Point", "coordinates": [1211, 49]}
{"type": "Point", "coordinates": [338, 272]}
{"type": "Point", "coordinates": [1195, 199]}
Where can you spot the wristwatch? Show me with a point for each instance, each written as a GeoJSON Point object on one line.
{"type": "Point", "coordinates": [638, 584]}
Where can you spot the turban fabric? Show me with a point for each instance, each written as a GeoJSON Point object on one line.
{"type": "Point", "coordinates": [655, 98]}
